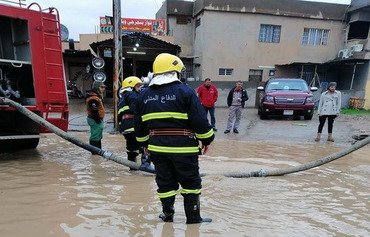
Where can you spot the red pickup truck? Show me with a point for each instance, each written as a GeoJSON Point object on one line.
{"type": "Point", "coordinates": [286, 97]}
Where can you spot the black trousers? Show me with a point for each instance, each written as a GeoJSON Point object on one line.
{"type": "Point", "coordinates": [131, 143]}
{"type": "Point", "coordinates": [172, 170]}
{"type": "Point", "coordinates": [322, 120]}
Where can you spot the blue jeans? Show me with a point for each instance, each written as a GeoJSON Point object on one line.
{"type": "Point", "coordinates": [212, 114]}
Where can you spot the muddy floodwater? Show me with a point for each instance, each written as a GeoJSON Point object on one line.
{"type": "Point", "coordinates": [62, 190]}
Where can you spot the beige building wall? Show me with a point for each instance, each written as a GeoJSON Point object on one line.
{"type": "Point", "coordinates": [184, 36]}
{"type": "Point", "coordinates": [86, 40]}
{"type": "Point", "coordinates": [199, 47]}
{"type": "Point", "coordinates": [230, 40]}
{"type": "Point", "coordinates": [367, 91]}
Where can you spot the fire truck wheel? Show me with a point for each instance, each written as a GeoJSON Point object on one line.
{"type": "Point", "coordinates": [29, 143]}
{"type": "Point", "coordinates": [15, 145]}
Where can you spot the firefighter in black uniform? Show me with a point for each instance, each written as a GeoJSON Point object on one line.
{"type": "Point", "coordinates": [130, 90]}
{"type": "Point", "coordinates": [95, 113]}
{"type": "Point", "coordinates": [131, 87]}
{"type": "Point", "coordinates": [170, 122]}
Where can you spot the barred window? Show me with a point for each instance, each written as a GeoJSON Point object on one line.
{"type": "Point", "coordinates": [269, 33]}
{"type": "Point", "coordinates": [182, 20]}
{"type": "Point", "coordinates": [312, 36]}
{"type": "Point", "coordinates": [255, 72]}
{"type": "Point", "coordinates": [225, 71]}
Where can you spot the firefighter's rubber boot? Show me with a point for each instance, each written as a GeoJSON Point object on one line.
{"type": "Point", "coordinates": [131, 156]}
{"type": "Point", "coordinates": [330, 137]}
{"type": "Point", "coordinates": [95, 144]}
{"type": "Point", "coordinates": [192, 209]}
{"type": "Point", "coordinates": [146, 164]}
{"type": "Point", "coordinates": [168, 209]}
{"type": "Point", "coordinates": [317, 139]}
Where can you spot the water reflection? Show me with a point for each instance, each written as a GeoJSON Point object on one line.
{"type": "Point", "coordinates": [62, 190]}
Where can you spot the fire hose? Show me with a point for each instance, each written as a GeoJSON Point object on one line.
{"type": "Point", "coordinates": [41, 121]}
{"type": "Point", "coordinates": [123, 160]}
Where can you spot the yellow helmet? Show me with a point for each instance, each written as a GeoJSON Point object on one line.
{"type": "Point", "coordinates": [131, 82]}
{"type": "Point", "coordinates": [165, 62]}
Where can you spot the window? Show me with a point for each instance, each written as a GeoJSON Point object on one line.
{"type": "Point", "coordinates": [286, 85]}
{"type": "Point", "coordinates": [358, 30]}
{"type": "Point", "coordinates": [225, 71]}
{"type": "Point", "coordinates": [272, 72]}
{"type": "Point", "coordinates": [255, 72]}
{"type": "Point", "coordinates": [182, 20]}
{"type": "Point", "coordinates": [313, 36]}
{"type": "Point", "coordinates": [269, 33]}
{"type": "Point", "coordinates": [255, 75]}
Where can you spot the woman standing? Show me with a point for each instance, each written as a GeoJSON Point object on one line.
{"type": "Point", "coordinates": [329, 107]}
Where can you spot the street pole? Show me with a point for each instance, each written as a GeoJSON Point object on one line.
{"type": "Point", "coordinates": [117, 66]}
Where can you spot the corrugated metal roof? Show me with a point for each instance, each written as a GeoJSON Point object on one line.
{"type": "Point", "coordinates": [146, 41]}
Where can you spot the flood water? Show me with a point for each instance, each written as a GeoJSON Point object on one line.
{"type": "Point", "coordinates": [62, 190]}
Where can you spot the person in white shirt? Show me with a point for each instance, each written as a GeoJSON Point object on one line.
{"type": "Point", "coordinates": [329, 107]}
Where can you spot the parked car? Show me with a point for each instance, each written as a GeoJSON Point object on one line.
{"type": "Point", "coordinates": [286, 97]}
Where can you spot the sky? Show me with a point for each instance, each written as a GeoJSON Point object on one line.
{"type": "Point", "coordinates": [82, 16]}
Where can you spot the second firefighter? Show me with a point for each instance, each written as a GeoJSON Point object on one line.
{"type": "Point", "coordinates": [131, 87]}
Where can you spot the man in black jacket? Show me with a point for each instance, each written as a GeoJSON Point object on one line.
{"type": "Point", "coordinates": [236, 101]}
{"type": "Point", "coordinates": [170, 122]}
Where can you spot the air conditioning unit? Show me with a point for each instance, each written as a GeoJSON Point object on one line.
{"type": "Point", "coordinates": [344, 53]}
{"type": "Point", "coordinates": [357, 47]}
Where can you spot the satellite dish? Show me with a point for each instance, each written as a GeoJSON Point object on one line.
{"type": "Point", "coordinates": [64, 32]}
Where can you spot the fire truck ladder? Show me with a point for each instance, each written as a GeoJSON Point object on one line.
{"type": "Point", "coordinates": [54, 94]}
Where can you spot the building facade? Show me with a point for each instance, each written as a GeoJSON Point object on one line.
{"type": "Point", "coordinates": [230, 40]}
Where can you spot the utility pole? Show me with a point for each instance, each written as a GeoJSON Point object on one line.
{"type": "Point", "coordinates": [117, 66]}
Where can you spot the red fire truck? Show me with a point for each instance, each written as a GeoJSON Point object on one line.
{"type": "Point", "coordinates": [31, 73]}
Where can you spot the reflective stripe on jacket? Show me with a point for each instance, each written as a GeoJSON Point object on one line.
{"type": "Point", "coordinates": [171, 106]}
{"type": "Point", "coordinates": [126, 106]}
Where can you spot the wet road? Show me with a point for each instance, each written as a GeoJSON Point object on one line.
{"type": "Point", "coordinates": [61, 190]}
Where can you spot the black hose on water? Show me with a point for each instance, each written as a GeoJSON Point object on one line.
{"type": "Point", "coordinates": [105, 154]}
{"type": "Point", "coordinates": [122, 160]}
{"type": "Point", "coordinates": [303, 167]}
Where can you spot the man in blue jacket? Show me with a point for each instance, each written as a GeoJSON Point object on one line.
{"type": "Point", "coordinates": [170, 122]}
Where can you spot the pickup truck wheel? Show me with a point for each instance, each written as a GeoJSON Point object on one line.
{"type": "Point", "coordinates": [297, 117]}
{"type": "Point", "coordinates": [263, 116]}
{"type": "Point", "coordinates": [308, 117]}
